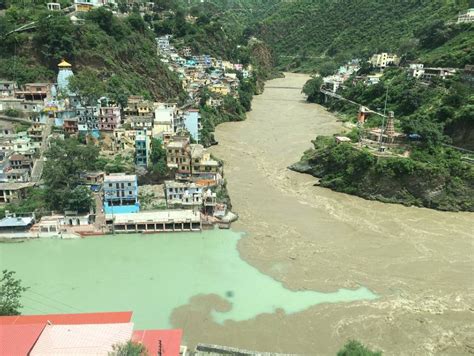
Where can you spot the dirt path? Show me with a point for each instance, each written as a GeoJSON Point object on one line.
{"type": "Point", "coordinates": [420, 261]}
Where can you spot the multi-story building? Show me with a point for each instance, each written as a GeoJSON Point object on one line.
{"type": "Point", "coordinates": [192, 123]}
{"type": "Point", "coordinates": [202, 164]}
{"type": "Point", "coordinates": [137, 106]}
{"type": "Point", "coordinates": [467, 17]}
{"type": "Point", "coordinates": [109, 118]}
{"type": "Point", "coordinates": [416, 70]}
{"type": "Point", "coordinates": [87, 120]}
{"type": "Point", "coordinates": [441, 73]}
{"type": "Point", "coordinates": [191, 161]}
{"type": "Point", "coordinates": [7, 88]}
{"type": "Point", "coordinates": [142, 148]}
{"type": "Point", "coordinates": [164, 120]}
{"type": "Point", "coordinates": [12, 192]}
{"type": "Point", "coordinates": [70, 125]}
{"type": "Point", "coordinates": [178, 156]}
{"type": "Point", "coordinates": [141, 122]}
{"type": "Point", "coordinates": [18, 161]}
{"type": "Point", "coordinates": [183, 195]}
{"type": "Point", "coordinates": [120, 194]}
{"type": "Point", "coordinates": [34, 91]}
{"type": "Point", "coordinates": [383, 60]}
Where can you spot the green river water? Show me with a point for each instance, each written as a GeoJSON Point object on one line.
{"type": "Point", "coordinates": [151, 275]}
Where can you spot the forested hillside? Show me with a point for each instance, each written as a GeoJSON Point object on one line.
{"type": "Point", "coordinates": [112, 55]}
{"type": "Point", "coordinates": [301, 31]}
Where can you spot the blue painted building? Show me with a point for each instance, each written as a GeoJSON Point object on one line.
{"type": "Point", "coordinates": [192, 123]}
{"type": "Point", "coordinates": [142, 149]}
{"type": "Point", "coordinates": [120, 194]}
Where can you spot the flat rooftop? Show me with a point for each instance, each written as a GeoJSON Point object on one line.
{"type": "Point", "coordinates": [162, 216]}
{"type": "Point", "coordinates": [120, 177]}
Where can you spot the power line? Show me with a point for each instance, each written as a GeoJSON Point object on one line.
{"type": "Point", "coordinates": [55, 300]}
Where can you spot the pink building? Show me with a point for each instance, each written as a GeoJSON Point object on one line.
{"type": "Point", "coordinates": [109, 118]}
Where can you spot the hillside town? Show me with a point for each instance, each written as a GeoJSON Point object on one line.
{"type": "Point", "coordinates": [385, 140]}
{"type": "Point", "coordinates": [36, 115]}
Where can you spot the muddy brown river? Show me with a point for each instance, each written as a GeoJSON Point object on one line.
{"type": "Point", "coordinates": [419, 261]}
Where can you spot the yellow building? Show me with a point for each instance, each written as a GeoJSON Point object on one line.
{"type": "Point", "coordinates": [219, 89]}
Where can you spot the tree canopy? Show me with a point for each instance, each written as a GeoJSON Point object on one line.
{"type": "Point", "coordinates": [11, 290]}
{"type": "Point", "coordinates": [355, 348]}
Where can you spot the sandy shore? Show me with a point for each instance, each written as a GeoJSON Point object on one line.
{"type": "Point", "coordinates": [420, 261]}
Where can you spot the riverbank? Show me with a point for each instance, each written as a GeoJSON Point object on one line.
{"type": "Point", "coordinates": [441, 184]}
{"type": "Point", "coordinates": [311, 238]}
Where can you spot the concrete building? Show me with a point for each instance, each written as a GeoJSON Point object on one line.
{"type": "Point", "coordinates": [466, 17]}
{"type": "Point", "coordinates": [109, 118]}
{"type": "Point", "coordinates": [87, 5]}
{"type": "Point", "coordinates": [183, 195]}
{"type": "Point", "coordinates": [383, 60]}
{"type": "Point", "coordinates": [416, 70]}
{"type": "Point", "coordinates": [192, 123]}
{"type": "Point", "coordinates": [137, 106]}
{"type": "Point", "coordinates": [34, 91]}
{"type": "Point", "coordinates": [141, 122]}
{"type": "Point", "coordinates": [142, 149]}
{"type": "Point", "coordinates": [120, 194]}
{"type": "Point", "coordinates": [88, 120]}
{"type": "Point", "coordinates": [7, 88]}
{"type": "Point", "coordinates": [441, 73]}
{"type": "Point", "coordinates": [156, 221]}
{"type": "Point", "coordinates": [70, 126]}
{"type": "Point", "coordinates": [13, 192]}
{"type": "Point", "coordinates": [164, 119]}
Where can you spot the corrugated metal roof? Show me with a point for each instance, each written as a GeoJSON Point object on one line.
{"type": "Point", "coordinates": [19, 339]}
{"type": "Point", "coordinates": [84, 339]}
{"type": "Point", "coordinates": [58, 319]}
{"type": "Point", "coordinates": [170, 341]}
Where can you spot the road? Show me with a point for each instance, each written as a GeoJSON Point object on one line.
{"type": "Point", "coordinates": [39, 162]}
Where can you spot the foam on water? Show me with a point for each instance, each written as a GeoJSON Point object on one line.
{"type": "Point", "coordinates": [151, 275]}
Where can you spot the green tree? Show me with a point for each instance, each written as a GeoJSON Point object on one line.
{"type": "Point", "coordinates": [129, 349]}
{"type": "Point", "coordinates": [11, 290]}
{"type": "Point", "coordinates": [55, 38]}
{"type": "Point", "coordinates": [79, 199]}
{"type": "Point", "coordinates": [88, 85]}
{"type": "Point", "coordinates": [312, 90]}
{"type": "Point", "coordinates": [157, 151]}
{"type": "Point", "coordinates": [65, 162]}
{"type": "Point", "coordinates": [355, 348]}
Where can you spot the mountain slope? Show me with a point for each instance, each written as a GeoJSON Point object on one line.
{"type": "Point", "coordinates": [119, 54]}
{"type": "Point", "coordinates": [345, 29]}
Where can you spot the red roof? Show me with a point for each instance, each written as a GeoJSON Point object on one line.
{"type": "Point", "coordinates": [19, 339]}
{"type": "Point", "coordinates": [170, 341]}
{"type": "Point", "coordinates": [65, 319]}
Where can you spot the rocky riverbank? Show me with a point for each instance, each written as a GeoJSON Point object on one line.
{"type": "Point", "coordinates": [445, 185]}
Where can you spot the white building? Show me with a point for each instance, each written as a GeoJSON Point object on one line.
{"type": "Point", "coordinates": [416, 70]}
{"type": "Point", "coordinates": [467, 17]}
{"type": "Point", "coordinates": [382, 60]}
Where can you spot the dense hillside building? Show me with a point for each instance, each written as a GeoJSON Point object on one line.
{"type": "Point", "coordinates": [120, 194]}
